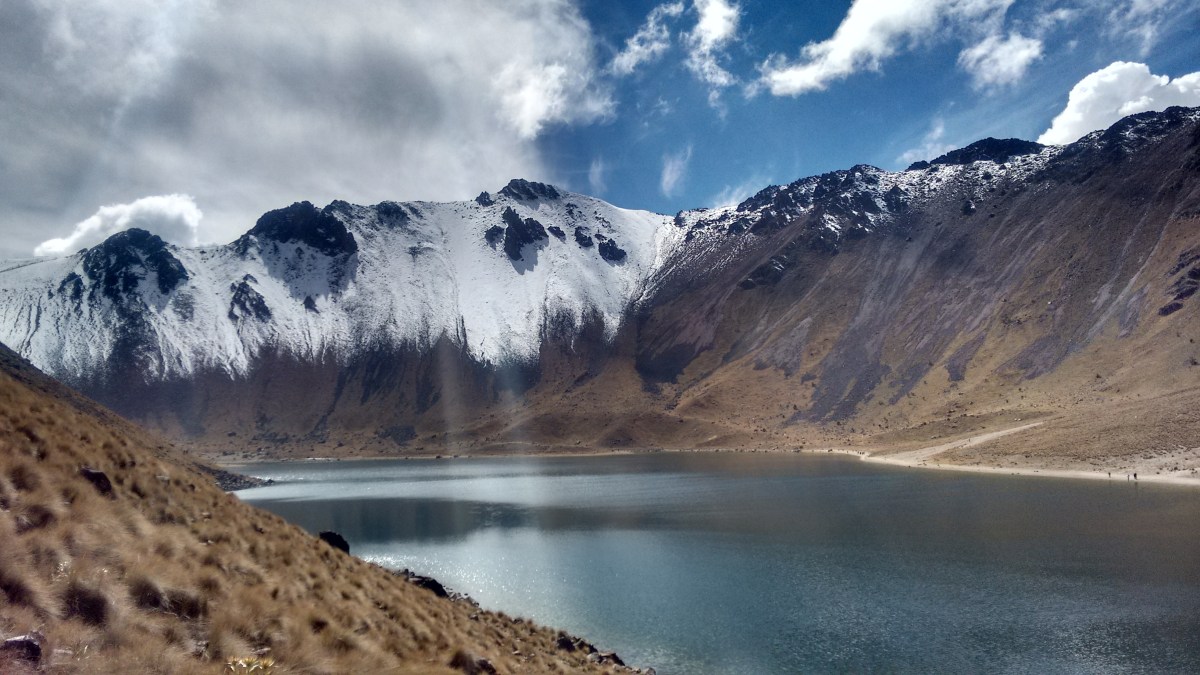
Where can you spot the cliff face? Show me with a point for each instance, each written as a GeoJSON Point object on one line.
{"type": "Point", "coordinates": [1005, 278]}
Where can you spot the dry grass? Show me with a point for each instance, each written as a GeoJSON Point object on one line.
{"type": "Point", "coordinates": [170, 574]}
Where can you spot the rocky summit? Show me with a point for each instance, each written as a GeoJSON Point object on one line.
{"type": "Point", "coordinates": [1006, 280]}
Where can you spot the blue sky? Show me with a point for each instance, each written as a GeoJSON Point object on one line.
{"type": "Point", "coordinates": [886, 114]}
{"type": "Point", "coordinates": [192, 117]}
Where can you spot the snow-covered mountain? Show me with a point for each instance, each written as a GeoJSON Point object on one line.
{"type": "Point", "coordinates": [331, 283]}
{"type": "Point", "coordinates": [533, 314]}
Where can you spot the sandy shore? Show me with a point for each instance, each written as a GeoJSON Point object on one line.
{"type": "Point", "coordinates": [922, 458]}
{"type": "Point", "coordinates": [926, 458]}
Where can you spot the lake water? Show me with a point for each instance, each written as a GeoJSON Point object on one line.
{"type": "Point", "coordinates": [752, 563]}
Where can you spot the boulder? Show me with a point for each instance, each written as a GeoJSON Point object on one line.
{"type": "Point", "coordinates": [335, 540]}
{"type": "Point", "coordinates": [611, 657]}
{"type": "Point", "coordinates": [470, 665]}
{"type": "Point", "coordinates": [27, 648]}
{"type": "Point", "coordinates": [430, 584]}
{"type": "Point", "coordinates": [99, 480]}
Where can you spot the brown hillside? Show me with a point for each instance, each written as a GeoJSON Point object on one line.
{"type": "Point", "coordinates": [1066, 296]}
{"type": "Point", "coordinates": [169, 574]}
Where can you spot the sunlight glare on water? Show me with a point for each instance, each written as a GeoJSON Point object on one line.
{"type": "Point", "coordinates": [701, 562]}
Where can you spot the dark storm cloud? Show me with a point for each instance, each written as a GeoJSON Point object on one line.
{"type": "Point", "coordinates": [248, 106]}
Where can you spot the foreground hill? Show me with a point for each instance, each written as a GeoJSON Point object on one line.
{"type": "Point", "coordinates": [127, 559]}
{"type": "Point", "coordinates": [998, 283]}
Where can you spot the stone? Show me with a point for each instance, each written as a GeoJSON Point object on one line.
{"type": "Point", "coordinates": [335, 540]}
{"type": "Point", "coordinates": [611, 657]}
{"type": "Point", "coordinates": [430, 584]}
{"type": "Point", "coordinates": [27, 648]}
{"type": "Point", "coordinates": [470, 665]}
{"type": "Point", "coordinates": [99, 480]}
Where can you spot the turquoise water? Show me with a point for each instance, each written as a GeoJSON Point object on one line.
{"type": "Point", "coordinates": [721, 563]}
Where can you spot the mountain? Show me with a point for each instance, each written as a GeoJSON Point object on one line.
{"type": "Point", "coordinates": [121, 555]}
{"type": "Point", "coordinates": [1002, 281]}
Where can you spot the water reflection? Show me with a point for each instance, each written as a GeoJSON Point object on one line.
{"type": "Point", "coordinates": [408, 519]}
{"type": "Point", "coordinates": [719, 563]}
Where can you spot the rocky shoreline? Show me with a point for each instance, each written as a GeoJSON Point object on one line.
{"type": "Point", "coordinates": [230, 481]}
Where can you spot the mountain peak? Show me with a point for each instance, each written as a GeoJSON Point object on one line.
{"type": "Point", "coordinates": [525, 190]}
{"type": "Point", "coordinates": [119, 263]}
{"type": "Point", "coordinates": [998, 150]}
{"type": "Point", "coordinates": [304, 223]}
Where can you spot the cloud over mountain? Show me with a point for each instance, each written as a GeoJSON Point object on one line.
{"type": "Point", "coordinates": [175, 218]}
{"type": "Point", "coordinates": [247, 105]}
{"type": "Point", "coordinates": [1117, 90]}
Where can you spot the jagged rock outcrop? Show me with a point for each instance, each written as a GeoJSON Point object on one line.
{"type": "Point", "coordinates": [525, 190]}
{"type": "Point", "coordinates": [520, 232]}
{"type": "Point", "coordinates": [302, 223]}
{"type": "Point", "coordinates": [117, 267]}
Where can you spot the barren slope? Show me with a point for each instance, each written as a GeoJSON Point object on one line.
{"type": "Point", "coordinates": [170, 574]}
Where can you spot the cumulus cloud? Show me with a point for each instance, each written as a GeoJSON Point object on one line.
{"type": "Point", "coordinates": [252, 105]}
{"type": "Point", "coordinates": [1000, 60]}
{"type": "Point", "coordinates": [1119, 89]}
{"type": "Point", "coordinates": [932, 145]}
{"type": "Point", "coordinates": [872, 32]}
{"type": "Point", "coordinates": [650, 41]}
{"type": "Point", "coordinates": [674, 170]}
{"type": "Point", "coordinates": [716, 27]}
{"type": "Point", "coordinates": [175, 218]}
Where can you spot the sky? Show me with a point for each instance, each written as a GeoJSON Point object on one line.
{"type": "Point", "coordinates": [190, 118]}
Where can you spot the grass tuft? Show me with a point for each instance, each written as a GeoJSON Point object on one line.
{"type": "Point", "coordinates": [85, 603]}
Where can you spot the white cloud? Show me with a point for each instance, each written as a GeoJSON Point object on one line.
{"type": "Point", "coordinates": [597, 181]}
{"type": "Point", "coordinates": [249, 106]}
{"type": "Point", "coordinates": [715, 29]}
{"type": "Point", "coordinates": [932, 145]}
{"type": "Point", "coordinates": [998, 60]}
{"type": "Point", "coordinates": [732, 195]}
{"type": "Point", "coordinates": [873, 31]}
{"type": "Point", "coordinates": [649, 42]}
{"type": "Point", "coordinates": [674, 170]}
{"type": "Point", "coordinates": [175, 218]}
{"type": "Point", "coordinates": [1140, 19]}
{"type": "Point", "coordinates": [1051, 19]}
{"type": "Point", "coordinates": [534, 95]}
{"type": "Point", "coordinates": [121, 47]}
{"type": "Point", "coordinates": [1117, 90]}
